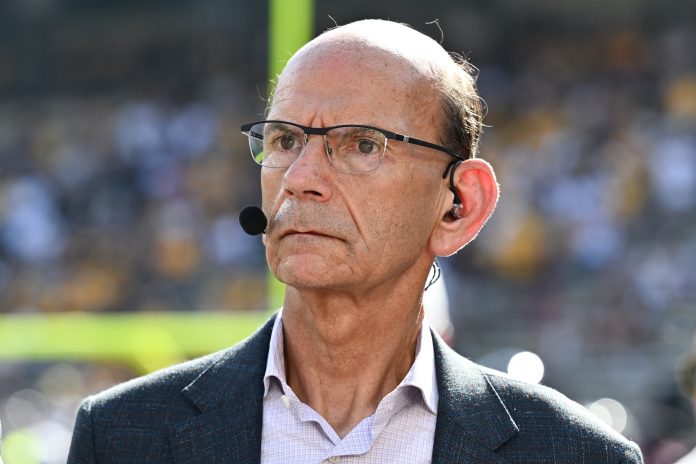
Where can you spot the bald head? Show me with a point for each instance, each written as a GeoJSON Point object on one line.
{"type": "Point", "coordinates": [411, 60]}
{"type": "Point", "coordinates": [400, 42]}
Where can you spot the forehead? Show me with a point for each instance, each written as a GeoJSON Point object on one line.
{"type": "Point", "coordinates": [339, 83]}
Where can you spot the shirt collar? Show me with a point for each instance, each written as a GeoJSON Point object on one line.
{"type": "Point", "coordinates": [421, 375]}
{"type": "Point", "coordinates": [275, 363]}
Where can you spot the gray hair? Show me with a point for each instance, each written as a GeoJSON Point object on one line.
{"type": "Point", "coordinates": [463, 108]}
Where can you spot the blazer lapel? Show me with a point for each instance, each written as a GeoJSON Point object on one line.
{"type": "Point", "coordinates": [229, 396]}
{"type": "Point", "coordinates": [472, 421]}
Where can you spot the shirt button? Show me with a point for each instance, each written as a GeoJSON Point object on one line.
{"type": "Point", "coordinates": [286, 401]}
{"type": "Point", "coordinates": [334, 460]}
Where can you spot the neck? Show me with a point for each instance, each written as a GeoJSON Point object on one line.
{"type": "Point", "coordinates": [343, 355]}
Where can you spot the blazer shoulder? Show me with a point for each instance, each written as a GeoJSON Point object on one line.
{"type": "Point", "coordinates": [164, 388]}
{"type": "Point", "coordinates": [542, 411]}
{"type": "Point", "coordinates": [171, 379]}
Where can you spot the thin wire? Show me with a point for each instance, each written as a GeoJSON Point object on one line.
{"type": "Point", "coordinates": [435, 275]}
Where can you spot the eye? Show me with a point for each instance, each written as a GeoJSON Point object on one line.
{"type": "Point", "coordinates": [287, 142]}
{"type": "Point", "coordinates": [366, 146]}
{"type": "Point", "coordinates": [281, 141]}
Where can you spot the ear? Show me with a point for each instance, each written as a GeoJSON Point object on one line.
{"type": "Point", "coordinates": [478, 189]}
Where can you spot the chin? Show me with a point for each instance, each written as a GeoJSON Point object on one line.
{"type": "Point", "coordinates": [303, 273]}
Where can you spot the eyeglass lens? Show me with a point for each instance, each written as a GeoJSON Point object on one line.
{"type": "Point", "coordinates": [349, 148]}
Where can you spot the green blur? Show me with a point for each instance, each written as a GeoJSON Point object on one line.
{"type": "Point", "coordinates": [144, 341]}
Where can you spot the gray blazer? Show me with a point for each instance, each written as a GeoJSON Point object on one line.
{"type": "Point", "coordinates": [209, 410]}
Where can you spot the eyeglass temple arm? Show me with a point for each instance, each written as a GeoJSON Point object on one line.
{"type": "Point", "coordinates": [423, 143]}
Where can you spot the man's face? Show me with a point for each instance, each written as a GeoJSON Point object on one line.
{"type": "Point", "coordinates": [353, 231]}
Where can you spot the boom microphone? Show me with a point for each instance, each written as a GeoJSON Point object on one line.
{"type": "Point", "coordinates": [252, 220]}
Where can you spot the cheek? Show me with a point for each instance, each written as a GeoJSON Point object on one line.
{"type": "Point", "coordinates": [269, 189]}
{"type": "Point", "coordinates": [401, 222]}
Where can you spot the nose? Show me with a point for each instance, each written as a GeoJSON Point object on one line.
{"type": "Point", "coordinates": [308, 177]}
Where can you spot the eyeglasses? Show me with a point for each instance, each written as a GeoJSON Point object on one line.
{"type": "Point", "coordinates": [349, 147]}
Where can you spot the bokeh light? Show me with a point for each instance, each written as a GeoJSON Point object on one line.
{"type": "Point", "coordinates": [526, 366]}
{"type": "Point", "coordinates": [610, 411]}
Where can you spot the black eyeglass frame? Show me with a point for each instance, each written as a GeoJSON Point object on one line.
{"type": "Point", "coordinates": [245, 128]}
{"type": "Point", "coordinates": [451, 167]}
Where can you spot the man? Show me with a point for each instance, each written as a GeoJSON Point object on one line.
{"type": "Point", "coordinates": [368, 175]}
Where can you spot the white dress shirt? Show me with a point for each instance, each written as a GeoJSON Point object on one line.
{"type": "Point", "coordinates": [402, 429]}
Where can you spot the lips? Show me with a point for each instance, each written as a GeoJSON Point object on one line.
{"type": "Point", "coordinates": [298, 230]}
{"type": "Point", "coordinates": [303, 233]}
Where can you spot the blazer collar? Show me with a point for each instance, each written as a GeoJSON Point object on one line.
{"type": "Point", "coordinates": [472, 421]}
{"type": "Point", "coordinates": [229, 397]}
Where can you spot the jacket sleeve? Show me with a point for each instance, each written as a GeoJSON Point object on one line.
{"type": "Point", "coordinates": [82, 450]}
{"type": "Point", "coordinates": [0, 442]}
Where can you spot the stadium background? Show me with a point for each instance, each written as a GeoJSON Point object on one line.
{"type": "Point", "coordinates": [122, 171]}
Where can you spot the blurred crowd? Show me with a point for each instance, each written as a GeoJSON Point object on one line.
{"type": "Point", "coordinates": [594, 142]}
{"type": "Point", "coordinates": [118, 202]}
{"type": "Point", "coordinates": [129, 205]}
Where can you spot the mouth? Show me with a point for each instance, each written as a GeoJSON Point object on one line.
{"type": "Point", "coordinates": [303, 233]}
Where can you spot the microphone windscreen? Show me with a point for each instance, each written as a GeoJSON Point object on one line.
{"type": "Point", "coordinates": [252, 220]}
